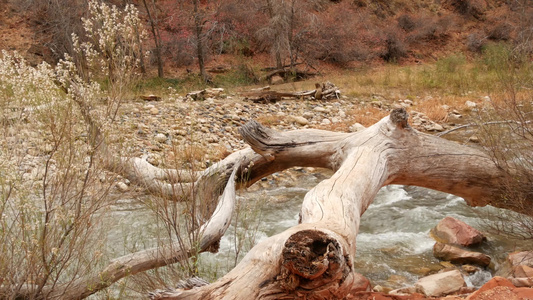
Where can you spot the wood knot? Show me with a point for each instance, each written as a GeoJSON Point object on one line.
{"type": "Point", "coordinates": [399, 117]}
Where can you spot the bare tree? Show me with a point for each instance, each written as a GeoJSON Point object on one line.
{"type": "Point", "coordinates": [154, 26]}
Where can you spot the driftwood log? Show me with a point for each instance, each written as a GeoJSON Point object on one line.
{"type": "Point", "coordinates": [326, 90]}
{"type": "Point", "coordinates": [313, 260]}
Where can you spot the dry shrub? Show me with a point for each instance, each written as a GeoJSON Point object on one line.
{"type": "Point", "coordinates": [433, 109]}
{"type": "Point", "coordinates": [470, 8]}
{"type": "Point", "coordinates": [407, 23]}
{"type": "Point", "coordinates": [429, 28]}
{"type": "Point", "coordinates": [367, 115]}
{"type": "Point", "coordinates": [475, 42]}
{"type": "Point", "coordinates": [269, 120]}
{"type": "Point", "coordinates": [500, 32]}
{"type": "Point", "coordinates": [394, 47]}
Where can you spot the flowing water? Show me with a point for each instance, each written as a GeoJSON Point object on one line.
{"type": "Point", "coordinates": [394, 247]}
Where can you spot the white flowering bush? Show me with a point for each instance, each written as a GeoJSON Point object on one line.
{"type": "Point", "coordinates": [112, 50]}
{"type": "Point", "coordinates": [54, 192]}
{"type": "Point", "coordinates": [51, 200]}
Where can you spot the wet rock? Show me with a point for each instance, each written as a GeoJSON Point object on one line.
{"type": "Point", "coordinates": [440, 284]}
{"type": "Point", "coordinates": [453, 231]}
{"type": "Point", "coordinates": [469, 269]}
{"type": "Point", "coordinates": [460, 256]}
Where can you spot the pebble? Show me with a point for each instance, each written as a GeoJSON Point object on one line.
{"type": "Point", "coordinates": [161, 138]}
{"type": "Point", "coordinates": [300, 120]}
{"type": "Point", "coordinates": [154, 111]}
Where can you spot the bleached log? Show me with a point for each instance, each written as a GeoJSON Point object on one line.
{"type": "Point", "coordinates": [314, 260]}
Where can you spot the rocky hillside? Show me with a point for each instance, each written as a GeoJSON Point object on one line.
{"type": "Point", "coordinates": [315, 33]}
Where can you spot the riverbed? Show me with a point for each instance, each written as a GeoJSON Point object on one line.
{"type": "Point", "coordinates": [394, 246]}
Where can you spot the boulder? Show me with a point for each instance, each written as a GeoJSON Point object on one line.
{"type": "Point", "coordinates": [521, 258]}
{"type": "Point", "coordinates": [440, 284]}
{"type": "Point", "coordinates": [460, 256]}
{"type": "Point", "coordinates": [522, 271]}
{"type": "Point", "coordinates": [497, 285]}
{"type": "Point", "coordinates": [453, 231]}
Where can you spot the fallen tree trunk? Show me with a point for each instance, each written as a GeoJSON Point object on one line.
{"type": "Point", "coordinates": [314, 260]}
{"type": "Point", "coordinates": [325, 91]}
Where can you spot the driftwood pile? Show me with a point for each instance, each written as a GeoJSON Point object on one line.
{"type": "Point", "coordinates": [324, 91]}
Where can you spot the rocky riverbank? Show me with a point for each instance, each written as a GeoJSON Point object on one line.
{"type": "Point", "coordinates": [161, 130]}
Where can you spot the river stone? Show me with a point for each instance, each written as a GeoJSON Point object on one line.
{"type": "Point", "coordinates": [326, 122]}
{"type": "Point", "coordinates": [300, 120]}
{"type": "Point", "coordinates": [452, 231]}
{"type": "Point", "coordinates": [154, 111]}
{"type": "Point", "coordinates": [123, 187]}
{"type": "Point", "coordinates": [161, 138]}
{"type": "Point", "coordinates": [460, 256]}
{"type": "Point", "coordinates": [440, 284]}
{"type": "Point", "coordinates": [521, 258]}
{"type": "Point", "coordinates": [319, 109]}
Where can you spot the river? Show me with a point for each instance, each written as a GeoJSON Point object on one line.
{"type": "Point", "coordinates": [394, 247]}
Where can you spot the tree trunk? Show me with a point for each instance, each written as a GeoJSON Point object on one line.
{"type": "Point", "coordinates": [198, 28]}
{"type": "Point", "coordinates": [314, 260]}
{"type": "Point", "coordinates": [157, 39]}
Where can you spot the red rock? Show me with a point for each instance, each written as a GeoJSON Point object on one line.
{"type": "Point", "coordinates": [452, 231]}
{"type": "Point", "coordinates": [460, 256]}
{"type": "Point", "coordinates": [440, 284]}
{"type": "Point", "coordinates": [496, 281]}
{"type": "Point", "coordinates": [524, 293]}
{"type": "Point", "coordinates": [360, 284]}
